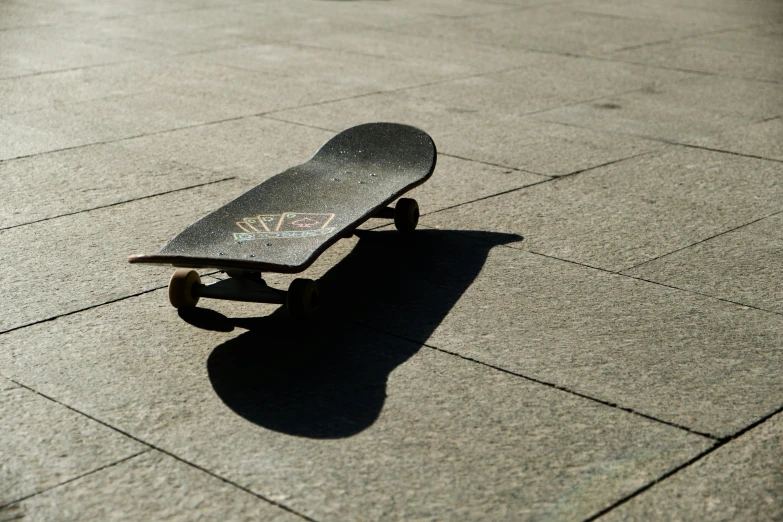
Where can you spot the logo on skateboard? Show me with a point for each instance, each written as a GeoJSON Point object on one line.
{"type": "Point", "coordinates": [285, 225]}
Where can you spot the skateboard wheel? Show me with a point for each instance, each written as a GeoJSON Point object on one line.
{"type": "Point", "coordinates": [406, 215]}
{"type": "Point", "coordinates": [181, 287]}
{"type": "Point", "coordinates": [302, 298]}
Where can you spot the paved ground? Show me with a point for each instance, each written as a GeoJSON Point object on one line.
{"type": "Point", "coordinates": [587, 326]}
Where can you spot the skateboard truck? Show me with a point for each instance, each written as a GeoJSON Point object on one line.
{"type": "Point", "coordinates": [302, 297]}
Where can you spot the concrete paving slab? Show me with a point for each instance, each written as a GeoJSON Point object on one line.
{"type": "Point", "coordinates": [49, 185]}
{"type": "Point", "coordinates": [371, 427]}
{"type": "Point", "coordinates": [80, 260]}
{"type": "Point", "coordinates": [692, 19]}
{"type": "Point", "coordinates": [690, 360]}
{"type": "Point", "coordinates": [256, 148]}
{"type": "Point", "coordinates": [557, 28]}
{"type": "Point", "coordinates": [764, 139]}
{"type": "Point", "coordinates": [46, 444]}
{"type": "Point", "coordinates": [739, 481]}
{"type": "Point", "coordinates": [41, 50]}
{"type": "Point", "coordinates": [627, 213]}
{"type": "Point", "coordinates": [751, 53]}
{"type": "Point", "coordinates": [189, 95]}
{"type": "Point", "coordinates": [539, 81]}
{"type": "Point", "coordinates": [758, 11]}
{"type": "Point", "coordinates": [443, 58]}
{"type": "Point", "coordinates": [349, 73]}
{"type": "Point", "coordinates": [153, 486]}
{"type": "Point", "coordinates": [689, 111]}
{"type": "Point", "coordinates": [742, 266]}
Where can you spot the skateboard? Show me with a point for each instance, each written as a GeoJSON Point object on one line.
{"type": "Point", "coordinates": [286, 222]}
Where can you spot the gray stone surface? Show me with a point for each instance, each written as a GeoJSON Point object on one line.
{"type": "Point", "coordinates": [74, 180]}
{"type": "Point", "coordinates": [346, 423]}
{"type": "Point", "coordinates": [676, 356]}
{"type": "Point", "coordinates": [688, 111]}
{"type": "Point", "coordinates": [753, 53]}
{"type": "Point", "coordinates": [46, 444]}
{"type": "Point", "coordinates": [764, 139]}
{"type": "Point", "coordinates": [739, 481]}
{"type": "Point", "coordinates": [151, 486]}
{"type": "Point", "coordinates": [742, 266]}
{"type": "Point", "coordinates": [81, 260]}
{"type": "Point", "coordinates": [612, 134]}
{"type": "Point", "coordinates": [630, 212]}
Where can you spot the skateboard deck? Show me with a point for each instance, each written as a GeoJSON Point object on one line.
{"type": "Point", "coordinates": [286, 222]}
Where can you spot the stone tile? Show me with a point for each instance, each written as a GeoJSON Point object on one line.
{"type": "Point", "coordinates": [45, 444]}
{"type": "Point", "coordinates": [442, 58]}
{"type": "Point", "coordinates": [752, 53]}
{"type": "Point", "coordinates": [557, 28]}
{"type": "Point", "coordinates": [630, 212]}
{"type": "Point", "coordinates": [740, 481]}
{"type": "Point", "coordinates": [50, 185]}
{"type": "Point", "coordinates": [742, 266]}
{"type": "Point", "coordinates": [368, 428]}
{"type": "Point", "coordinates": [252, 148]}
{"type": "Point", "coordinates": [482, 118]}
{"type": "Point", "coordinates": [55, 89]}
{"type": "Point", "coordinates": [687, 359]}
{"type": "Point", "coordinates": [689, 111]}
{"type": "Point", "coordinates": [42, 50]}
{"type": "Point", "coordinates": [753, 11]}
{"type": "Point", "coordinates": [349, 73]}
{"type": "Point", "coordinates": [684, 16]}
{"type": "Point", "coordinates": [538, 82]}
{"type": "Point", "coordinates": [81, 260]}
{"type": "Point", "coordinates": [150, 486]}
{"type": "Point", "coordinates": [764, 139]}
{"type": "Point", "coordinates": [456, 181]}
{"type": "Point", "coordinates": [191, 95]}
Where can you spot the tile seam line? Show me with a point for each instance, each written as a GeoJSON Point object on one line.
{"type": "Point", "coordinates": [549, 385]}
{"type": "Point", "coordinates": [440, 153]}
{"type": "Point", "coordinates": [86, 308]}
{"type": "Point", "coordinates": [261, 114]}
{"type": "Point", "coordinates": [96, 305]}
{"type": "Point", "coordinates": [663, 140]}
{"type": "Point", "coordinates": [710, 238]}
{"type": "Point", "coordinates": [691, 37]}
{"type": "Point", "coordinates": [550, 179]}
{"type": "Point", "coordinates": [638, 278]}
{"type": "Point", "coordinates": [605, 58]}
{"type": "Point", "coordinates": [93, 19]}
{"type": "Point", "coordinates": [118, 203]}
{"type": "Point", "coordinates": [73, 479]}
{"type": "Point", "coordinates": [151, 446]}
{"type": "Point", "coordinates": [705, 453]}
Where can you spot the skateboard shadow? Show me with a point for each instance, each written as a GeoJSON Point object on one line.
{"type": "Point", "coordinates": [327, 379]}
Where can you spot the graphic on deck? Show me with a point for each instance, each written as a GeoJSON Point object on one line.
{"type": "Point", "coordinates": [285, 225]}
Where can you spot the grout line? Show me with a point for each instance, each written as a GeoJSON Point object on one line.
{"type": "Point", "coordinates": [165, 452]}
{"type": "Point", "coordinates": [663, 140]}
{"type": "Point", "coordinates": [96, 470]}
{"type": "Point", "coordinates": [690, 37]}
{"type": "Point", "coordinates": [638, 278]}
{"type": "Point", "coordinates": [535, 183]}
{"type": "Point", "coordinates": [550, 385]}
{"type": "Point", "coordinates": [700, 242]}
{"type": "Point", "coordinates": [72, 312]}
{"type": "Point", "coordinates": [117, 203]}
{"type": "Point", "coordinates": [720, 444]}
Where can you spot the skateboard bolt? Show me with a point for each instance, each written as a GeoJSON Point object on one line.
{"type": "Point", "coordinates": [221, 253]}
{"type": "Point", "coordinates": [252, 255]}
{"type": "Point", "coordinates": [269, 244]}
{"type": "Point", "coordinates": [361, 182]}
{"type": "Point", "coordinates": [335, 179]}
